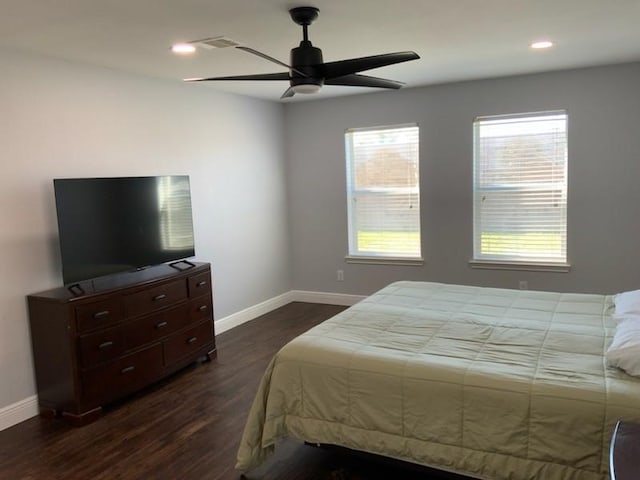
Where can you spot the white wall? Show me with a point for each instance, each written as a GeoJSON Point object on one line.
{"type": "Point", "coordinates": [603, 105]}
{"type": "Point", "coordinates": [59, 119]}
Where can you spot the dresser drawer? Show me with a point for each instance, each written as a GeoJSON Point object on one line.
{"type": "Point", "coordinates": [98, 314]}
{"type": "Point", "coordinates": [184, 343]}
{"type": "Point", "coordinates": [101, 346]}
{"type": "Point", "coordinates": [199, 284]}
{"type": "Point", "coordinates": [155, 326]}
{"type": "Point", "coordinates": [122, 376]}
{"type": "Point", "coordinates": [155, 298]}
{"type": "Point", "coordinates": [201, 307]}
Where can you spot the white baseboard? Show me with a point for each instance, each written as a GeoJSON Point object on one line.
{"type": "Point", "coordinates": [27, 408]}
{"type": "Point", "coordinates": [248, 314]}
{"type": "Point", "coordinates": [324, 297]}
{"type": "Point", "coordinates": [243, 316]}
{"type": "Point", "coordinates": [18, 412]}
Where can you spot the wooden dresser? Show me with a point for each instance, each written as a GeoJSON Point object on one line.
{"type": "Point", "coordinates": [100, 340]}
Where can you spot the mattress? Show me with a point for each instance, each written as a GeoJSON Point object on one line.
{"type": "Point", "coordinates": [489, 383]}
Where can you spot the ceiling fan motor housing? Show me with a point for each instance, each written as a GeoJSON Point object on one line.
{"type": "Point", "coordinates": [307, 59]}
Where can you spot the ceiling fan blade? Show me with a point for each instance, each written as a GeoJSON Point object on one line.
{"type": "Point", "coordinates": [271, 59]}
{"type": "Point", "coordinates": [355, 80]}
{"type": "Point", "coordinates": [355, 65]}
{"type": "Point", "coordinates": [288, 93]}
{"type": "Point", "coordinates": [260, 76]}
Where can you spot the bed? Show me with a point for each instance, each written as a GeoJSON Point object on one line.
{"type": "Point", "coordinates": [488, 383]}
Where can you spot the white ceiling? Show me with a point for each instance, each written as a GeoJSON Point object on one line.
{"type": "Point", "coordinates": [456, 39]}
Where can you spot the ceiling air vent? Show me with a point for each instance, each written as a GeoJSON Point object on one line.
{"type": "Point", "coordinates": [216, 42]}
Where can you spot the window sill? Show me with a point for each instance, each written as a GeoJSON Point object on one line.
{"type": "Point", "coordinates": [384, 260]}
{"type": "Point", "coordinates": [526, 266]}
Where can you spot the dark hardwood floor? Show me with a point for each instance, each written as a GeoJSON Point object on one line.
{"type": "Point", "coordinates": [189, 426]}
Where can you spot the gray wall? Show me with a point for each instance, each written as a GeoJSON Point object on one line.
{"type": "Point", "coordinates": [64, 120]}
{"type": "Point", "coordinates": [604, 172]}
{"type": "Point", "coordinates": [268, 225]}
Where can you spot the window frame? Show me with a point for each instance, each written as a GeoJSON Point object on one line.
{"type": "Point", "coordinates": [380, 258]}
{"type": "Point", "coordinates": [516, 261]}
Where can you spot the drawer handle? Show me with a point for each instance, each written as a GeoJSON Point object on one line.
{"type": "Point", "coordinates": [161, 325]}
{"type": "Point", "coordinates": [127, 370]}
{"type": "Point", "coordinates": [103, 313]}
{"type": "Point", "coordinates": [191, 340]}
{"type": "Point", "coordinates": [162, 296]}
{"type": "Point", "coordinates": [104, 345]}
{"type": "Point", "coordinates": [202, 308]}
{"type": "Point", "coordinates": [202, 283]}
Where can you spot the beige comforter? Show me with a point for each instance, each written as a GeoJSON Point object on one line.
{"type": "Point", "coordinates": [491, 383]}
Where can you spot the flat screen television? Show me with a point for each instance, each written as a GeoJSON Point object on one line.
{"type": "Point", "coordinates": [110, 225]}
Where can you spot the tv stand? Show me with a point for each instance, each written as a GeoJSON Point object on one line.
{"type": "Point", "coordinates": [93, 345]}
{"type": "Point", "coordinates": [186, 262]}
{"type": "Point", "coordinates": [75, 289]}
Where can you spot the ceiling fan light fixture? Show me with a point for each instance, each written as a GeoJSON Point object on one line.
{"type": "Point", "coordinates": [306, 88]}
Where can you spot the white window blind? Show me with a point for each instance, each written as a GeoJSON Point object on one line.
{"type": "Point", "coordinates": [383, 191]}
{"type": "Point", "coordinates": [520, 188]}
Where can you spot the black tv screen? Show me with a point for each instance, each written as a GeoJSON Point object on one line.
{"type": "Point", "coordinates": [109, 225]}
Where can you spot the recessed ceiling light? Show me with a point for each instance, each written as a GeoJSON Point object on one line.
{"type": "Point", "coordinates": [183, 48]}
{"type": "Point", "coordinates": [541, 45]}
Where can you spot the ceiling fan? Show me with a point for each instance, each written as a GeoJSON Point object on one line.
{"type": "Point", "coordinates": [308, 73]}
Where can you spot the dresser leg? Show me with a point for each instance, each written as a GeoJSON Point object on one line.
{"type": "Point", "coordinates": [48, 413]}
{"type": "Point", "coordinates": [211, 355]}
{"type": "Point", "coordinates": [77, 420]}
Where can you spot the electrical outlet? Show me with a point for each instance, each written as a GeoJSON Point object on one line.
{"type": "Point", "coordinates": [340, 275]}
{"type": "Point", "coordinates": [523, 285]}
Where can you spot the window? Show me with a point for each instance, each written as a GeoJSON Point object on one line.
{"type": "Point", "coordinates": [520, 189]}
{"type": "Point", "coordinates": [383, 191]}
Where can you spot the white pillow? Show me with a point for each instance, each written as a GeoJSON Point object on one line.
{"type": "Point", "coordinates": [627, 303]}
{"type": "Point", "coordinates": [624, 351]}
